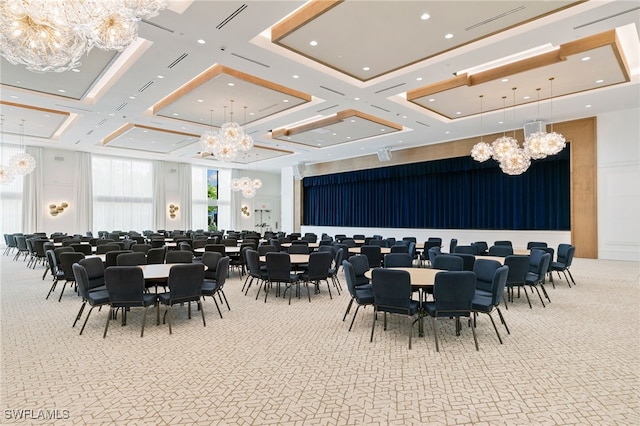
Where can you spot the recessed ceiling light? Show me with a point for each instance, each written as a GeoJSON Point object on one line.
{"type": "Point", "coordinates": [47, 115]}
{"type": "Point", "coordinates": [161, 76]}
{"type": "Point", "coordinates": [447, 132]}
{"type": "Point", "coordinates": [448, 36]}
{"type": "Point", "coordinates": [599, 81]}
{"type": "Point", "coordinates": [200, 100]}
{"type": "Point", "coordinates": [296, 76]}
{"type": "Point", "coordinates": [285, 100]}
{"type": "Point", "coordinates": [175, 113]}
{"type": "Point", "coordinates": [419, 79]}
{"type": "Point", "coordinates": [404, 116]}
{"type": "Point", "coordinates": [132, 97]}
{"type": "Point", "coordinates": [499, 122]}
{"type": "Point", "coordinates": [352, 121]}
{"type": "Point", "coordinates": [587, 106]}
{"type": "Point", "coordinates": [586, 58]}
{"type": "Point", "coordinates": [504, 80]}
{"type": "Point", "coordinates": [431, 100]}
{"type": "Point", "coordinates": [313, 43]}
{"type": "Point", "coordinates": [527, 97]}
{"type": "Point", "coordinates": [62, 91]}
{"type": "Point", "coordinates": [348, 137]}
{"type": "Point", "coordinates": [458, 113]}
{"type": "Point", "coordinates": [231, 84]}
{"type": "Point", "coordinates": [75, 70]}
{"type": "Point", "coordinates": [365, 68]}
{"type": "Point", "coordinates": [252, 113]}
{"type": "Point", "coordinates": [201, 41]}
{"type": "Point", "coordinates": [425, 16]}
{"type": "Point", "coordinates": [382, 130]}
{"type": "Point", "coordinates": [14, 97]}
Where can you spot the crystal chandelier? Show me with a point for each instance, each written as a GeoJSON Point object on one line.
{"type": "Point", "coordinates": [229, 141]}
{"type": "Point", "coordinates": [247, 185]}
{"type": "Point", "coordinates": [481, 151]}
{"type": "Point", "coordinates": [53, 35]}
{"type": "Point", "coordinates": [22, 163]}
{"type": "Point", "coordinates": [553, 142]}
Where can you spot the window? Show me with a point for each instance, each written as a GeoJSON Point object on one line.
{"type": "Point", "coordinates": [122, 193]}
{"type": "Point", "coordinates": [11, 196]}
{"type": "Point", "coordinates": [204, 195]}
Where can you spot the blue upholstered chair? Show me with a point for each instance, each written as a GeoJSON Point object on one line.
{"type": "Point", "coordinates": [484, 302]}
{"type": "Point", "coordinates": [363, 296]}
{"type": "Point", "coordinates": [563, 262]}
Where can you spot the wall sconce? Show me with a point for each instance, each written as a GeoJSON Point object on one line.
{"type": "Point", "coordinates": [173, 208]}
{"type": "Point", "coordinates": [245, 211]}
{"type": "Point", "coordinates": [56, 209]}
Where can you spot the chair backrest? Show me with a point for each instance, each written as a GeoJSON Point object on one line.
{"type": "Point", "coordinates": [142, 248]}
{"type": "Point", "coordinates": [350, 276]}
{"type": "Point", "coordinates": [569, 258]}
{"type": "Point", "coordinates": [179, 257]}
{"type": "Point", "coordinates": [503, 243]}
{"type": "Point", "coordinates": [398, 260]}
{"type": "Point", "coordinates": [481, 247]}
{"type": "Point", "coordinates": [452, 245]}
{"type": "Point", "coordinates": [156, 255]}
{"type": "Point", "coordinates": [252, 257]}
{"type": "Point", "coordinates": [410, 239]}
{"type": "Point", "coordinates": [563, 252]}
{"type": "Point", "coordinates": [185, 246]}
{"type": "Point", "coordinates": [328, 248]}
{"type": "Point", "coordinates": [337, 260]}
{"type": "Point", "coordinates": [298, 249]}
{"type": "Point", "coordinates": [498, 284]}
{"type": "Point", "coordinates": [21, 242]}
{"type": "Point", "coordinates": [349, 242]}
{"type": "Point", "coordinates": [360, 266]}
{"type": "Point", "coordinates": [66, 260]}
{"type": "Point", "coordinates": [435, 240]}
{"type": "Point", "coordinates": [373, 253]}
{"type": "Point", "coordinates": [319, 264]}
{"type": "Point", "coordinates": [448, 262]}
{"type": "Point", "coordinates": [229, 242]}
{"type": "Point", "coordinates": [400, 248]}
{"type": "Point", "coordinates": [453, 293]}
{"type": "Point", "coordinates": [532, 244]}
{"type": "Point", "coordinates": [278, 266]}
{"type": "Point", "coordinates": [38, 247]}
{"type": "Point", "coordinates": [466, 249]}
{"type": "Point", "coordinates": [53, 263]}
{"type": "Point", "coordinates": [391, 241]}
{"type": "Point", "coordinates": [131, 259]}
{"type": "Point", "coordinates": [222, 270]}
{"type": "Point", "coordinates": [264, 249]}
{"type": "Point", "coordinates": [110, 258]}
{"type": "Point", "coordinates": [185, 282]}
{"type": "Point", "coordinates": [210, 260]}
{"type": "Point", "coordinates": [81, 248]}
{"type": "Point", "coordinates": [105, 248]}
{"type": "Point", "coordinates": [432, 253]}
{"type": "Point", "coordinates": [95, 271]}
{"type": "Point", "coordinates": [376, 242]}
{"type": "Point", "coordinates": [359, 236]}
{"type": "Point", "coordinates": [391, 290]}
{"type": "Point", "coordinates": [518, 268]}
{"type": "Point", "coordinates": [468, 260]}
{"type": "Point", "coordinates": [485, 269]}
{"type": "Point", "coordinates": [125, 285]}
{"type": "Point", "coordinates": [500, 250]}
{"type": "Point", "coordinates": [59, 250]}
{"type": "Point", "coordinates": [82, 280]}
{"type": "Point", "coordinates": [539, 263]}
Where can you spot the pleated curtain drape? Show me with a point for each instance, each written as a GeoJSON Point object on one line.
{"type": "Point", "coordinates": [456, 193]}
{"type": "Point", "coordinates": [83, 193]}
{"type": "Point", "coordinates": [32, 196]}
{"type": "Point", "coordinates": [159, 196]}
{"type": "Point", "coordinates": [184, 180]}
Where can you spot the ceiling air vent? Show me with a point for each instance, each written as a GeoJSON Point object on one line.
{"type": "Point", "coordinates": [334, 91]}
{"type": "Point", "coordinates": [124, 104]}
{"type": "Point", "coordinates": [389, 88]}
{"type": "Point", "coordinates": [251, 60]}
{"type": "Point", "coordinates": [177, 61]}
{"type": "Point", "coordinates": [146, 86]}
{"type": "Point", "coordinates": [502, 15]}
{"type": "Point", "coordinates": [230, 17]}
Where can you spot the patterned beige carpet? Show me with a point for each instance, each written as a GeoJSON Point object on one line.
{"type": "Point", "coordinates": [574, 362]}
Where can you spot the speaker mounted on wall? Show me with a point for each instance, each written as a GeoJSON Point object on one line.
{"type": "Point", "coordinates": [384, 154]}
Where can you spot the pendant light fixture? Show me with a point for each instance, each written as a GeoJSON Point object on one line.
{"type": "Point", "coordinates": [22, 163]}
{"type": "Point", "coordinates": [534, 144]}
{"type": "Point", "coordinates": [504, 145]}
{"type": "Point", "coordinates": [517, 161]}
{"type": "Point", "coordinates": [481, 151]}
{"type": "Point", "coordinates": [553, 142]}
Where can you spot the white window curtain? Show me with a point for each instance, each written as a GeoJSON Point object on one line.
{"type": "Point", "coordinates": [159, 196]}
{"type": "Point", "coordinates": [10, 196]}
{"type": "Point", "coordinates": [199, 197]}
{"type": "Point", "coordinates": [184, 183]}
{"type": "Point", "coordinates": [83, 190]}
{"type": "Point", "coordinates": [122, 193]}
{"type": "Point", "coordinates": [32, 200]}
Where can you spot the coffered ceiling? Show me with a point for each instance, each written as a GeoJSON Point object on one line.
{"type": "Point", "coordinates": [325, 80]}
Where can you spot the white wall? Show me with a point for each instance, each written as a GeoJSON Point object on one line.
{"type": "Point", "coordinates": [287, 200]}
{"type": "Point", "coordinates": [59, 176]}
{"type": "Point", "coordinates": [619, 185]}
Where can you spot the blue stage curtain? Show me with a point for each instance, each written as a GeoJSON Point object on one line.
{"type": "Point", "coordinates": [456, 193]}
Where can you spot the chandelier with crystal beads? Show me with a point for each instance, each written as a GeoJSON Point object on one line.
{"type": "Point", "coordinates": [227, 143]}
{"type": "Point", "coordinates": [53, 35]}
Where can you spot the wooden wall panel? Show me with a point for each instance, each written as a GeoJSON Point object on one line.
{"type": "Point", "coordinates": [581, 134]}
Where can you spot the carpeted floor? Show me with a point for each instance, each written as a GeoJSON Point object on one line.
{"type": "Point", "coordinates": [574, 362]}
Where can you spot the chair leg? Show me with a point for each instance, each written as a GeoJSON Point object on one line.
{"type": "Point", "coordinates": [144, 320]}
{"type": "Point", "coordinates": [170, 311]}
{"type": "Point", "coordinates": [225, 298]}
{"type": "Point", "coordinates": [540, 296]}
{"type": "Point", "coordinates": [84, 303]}
{"type": "Point", "coordinates": [494, 327]}
{"type": "Point", "coordinates": [526, 294]}
{"type": "Point", "coordinates": [106, 327]}
{"type": "Point", "coordinates": [62, 292]}
{"type": "Point", "coordinates": [435, 332]}
{"type": "Point", "coordinates": [202, 312]}
{"type": "Point", "coordinates": [348, 309]}
{"type": "Point", "coordinates": [373, 325]}
{"type": "Point", "coordinates": [217, 307]}
{"type": "Point", "coordinates": [502, 320]}
{"type": "Point", "coordinates": [475, 338]}
{"type": "Point", "coordinates": [572, 280]}
{"type": "Point", "coordinates": [544, 291]}
{"type": "Point", "coordinates": [354, 317]}
{"type": "Point", "coordinates": [45, 272]}
{"type": "Point", "coordinates": [53, 287]}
